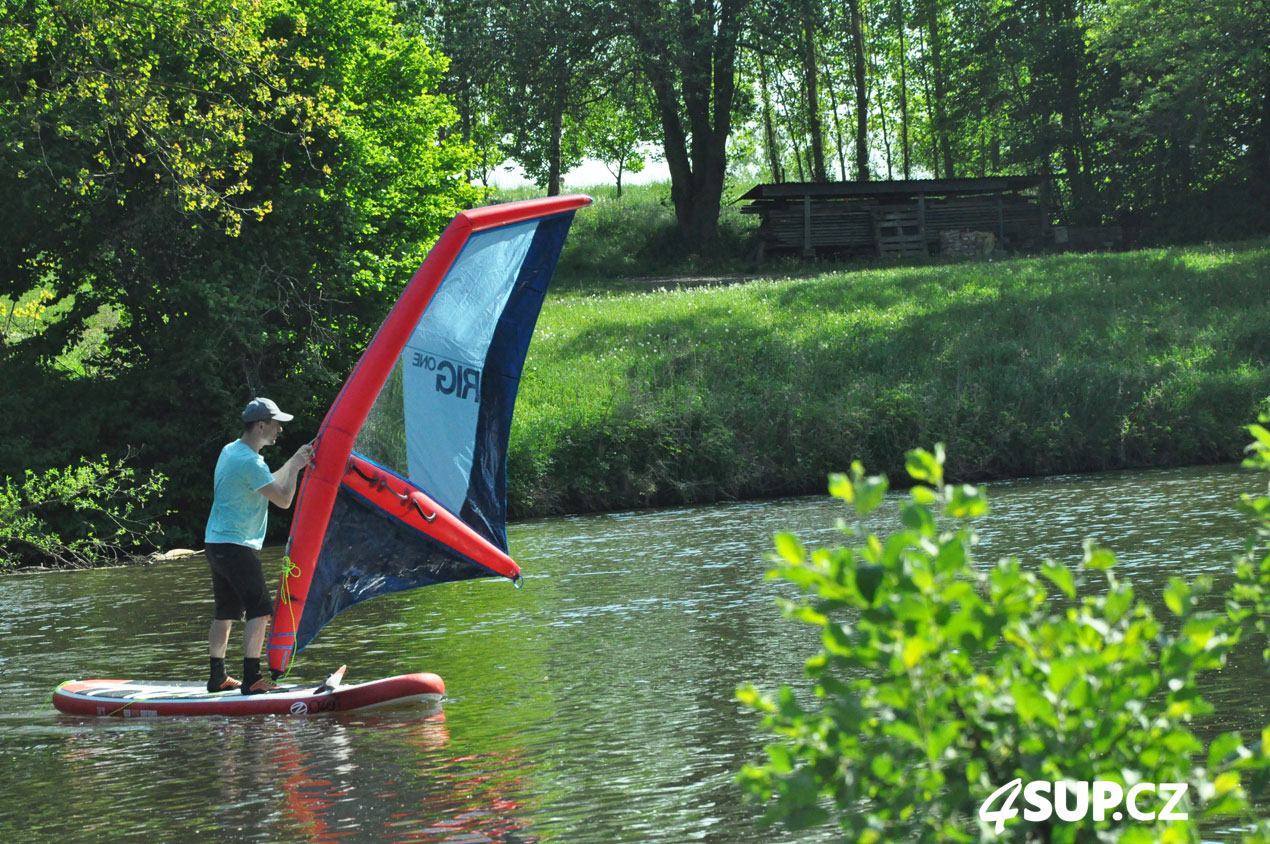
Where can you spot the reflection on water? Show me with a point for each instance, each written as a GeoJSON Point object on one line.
{"type": "Point", "coordinates": [386, 777]}
{"type": "Point", "coordinates": [596, 704]}
{"type": "Point", "coordinates": [343, 792]}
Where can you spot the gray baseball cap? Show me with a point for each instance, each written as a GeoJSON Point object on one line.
{"type": "Point", "coordinates": [258, 410]}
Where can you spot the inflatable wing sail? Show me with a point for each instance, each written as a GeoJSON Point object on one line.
{"type": "Point", "coordinates": [408, 482]}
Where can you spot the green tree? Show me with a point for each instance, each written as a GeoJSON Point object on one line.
{"type": "Point", "coordinates": [80, 516]}
{"type": "Point", "coordinates": [811, 23]}
{"type": "Point", "coordinates": [765, 67]}
{"type": "Point", "coordinates": [784, 62]}
{"type": "Point", "coordinates": [247, 185]}
{"type": "Point", "coordinates": [899, 26]}
{"type": "Point", "coordinates": [941, 680]}
{"type": "Point", "coordinates": [524, 74]}
{"type": "Point", "coordinates": [475, 80]}
{"type": "Point", "coordinates": [1190, 108]}
{"type": "Point", "coordinates": [559, 57]}
{"type": "Point", "coordinates": [618, 128]}
{"type": "Point", "coordinates": [855, 23]}
{"type": "Point", "coordinates": [1056, 98]}
{"type": "Point", "coordinates": [689, 53]}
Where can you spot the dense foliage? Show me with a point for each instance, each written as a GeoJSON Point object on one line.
{"type": "Point", "coordinates": [214, 200]}
{"type": "Point", "coordinates": [1140, 110]}
{"type": "Point", "coordinates": [942, 679]}
{"type": "Point", "coordinates": [84, 515]}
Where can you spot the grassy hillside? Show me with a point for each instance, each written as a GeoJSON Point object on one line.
{"type": "Point", "coordinates": [1022, 366]}
{"type": "Point", "coordinates": [635, 236]}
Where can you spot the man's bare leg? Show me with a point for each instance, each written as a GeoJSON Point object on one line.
{"type": "Point", "coordinates": [254, 637]}
{"type": "Point", "coordinates": [218, 637]}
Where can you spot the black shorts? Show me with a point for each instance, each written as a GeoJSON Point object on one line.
{"type": "Point", "coordinates": [238, 582]}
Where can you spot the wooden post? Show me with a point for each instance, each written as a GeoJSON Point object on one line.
{"type": "Point", "coordinates": [921, 219]}
{"type": "Point", "coordinates": [808, 251]}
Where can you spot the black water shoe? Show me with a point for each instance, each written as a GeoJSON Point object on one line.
{"type": "Point", "coordinates": [226, 684]}
{"type": "Point", "coordinates": [260, 687]}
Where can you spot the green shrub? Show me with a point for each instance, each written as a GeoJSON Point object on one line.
{"type": "Point", "coordinates": [78, 516]}
{"type": "Point", "coordinates": [941, 680]}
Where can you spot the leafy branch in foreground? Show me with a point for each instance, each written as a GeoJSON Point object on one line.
{"type": "Point", "coordinates": [941, 680]}
{"type": "Point", "coordinates": [77, 516]}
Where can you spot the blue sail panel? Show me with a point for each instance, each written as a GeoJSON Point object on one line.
{"type": "Point", "coordinates": [486, 506]}
{"type": "Point", "coordinates": [444, 361]}
{"type": "Point", "coordinates": [461, 369]}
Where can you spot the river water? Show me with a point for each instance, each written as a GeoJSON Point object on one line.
{"type": "Point", "coordinates": [594, 705]}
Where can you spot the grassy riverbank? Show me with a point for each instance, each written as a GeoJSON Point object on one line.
{"type": "Point", "coordinates": [1023, 367]}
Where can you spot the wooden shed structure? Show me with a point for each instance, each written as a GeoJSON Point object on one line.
{"type": "Point", "coordinates": [908, 217]}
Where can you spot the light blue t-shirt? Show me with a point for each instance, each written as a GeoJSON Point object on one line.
{"type": "Point", "coordinates": [239, 511]}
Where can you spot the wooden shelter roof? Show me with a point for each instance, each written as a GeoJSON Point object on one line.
{"type": "Point", "coordinates": [897, 188]}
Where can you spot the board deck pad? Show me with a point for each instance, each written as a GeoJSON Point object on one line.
{"type": "Point", "coordinates": [146, 699]}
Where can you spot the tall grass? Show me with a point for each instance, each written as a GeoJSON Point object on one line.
{"type": "Point", "coordinates": [1023, 366]}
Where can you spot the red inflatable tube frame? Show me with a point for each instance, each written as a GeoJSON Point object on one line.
{"type": "Point", "coordinates": [400, 499]}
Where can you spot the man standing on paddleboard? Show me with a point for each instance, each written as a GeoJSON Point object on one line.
{"type": "Point", "coordinates": [236, 531]}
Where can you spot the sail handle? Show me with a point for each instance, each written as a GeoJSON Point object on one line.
{"type": "Point", "coordinates": [377, 481]}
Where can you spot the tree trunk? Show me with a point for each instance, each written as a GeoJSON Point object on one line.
{"type": "Point", "coordinates": [1259, 149]}
{"type": "Point", "coordinates": [701, 58]}
{"type": "Point", "coordinates": [621, 169]}
{"type": "Point", "coordinates": [1068, 63]}
{"type": "Point", "coordinates": [788, 111]}
{"type": "Point", "coordinates": [798, 157]}
{"type": "Point", "coordinates": [837, 123]}
{"type": "Point", "coordinates": [904, 147]}
{"type": "Point", "coordinates": [810, 70]}
{"type": "Point", "coordinates": [940, 107]}
{"type": "Point", "coordinates": [554, 165]}
{"type": "Point", "coordinates": [464, 103]}
{"type": "Point", "coordinates": [861, 94]}
{"type": "Point", "coordinates": [886, 138]}
{"type": "Point", "coordinates": [930, 98]}
{"type": "Point", "coordinates": [769, 129]}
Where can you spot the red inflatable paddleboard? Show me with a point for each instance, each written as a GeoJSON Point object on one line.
{"type": "Point", "coordinates": [144, 699]}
